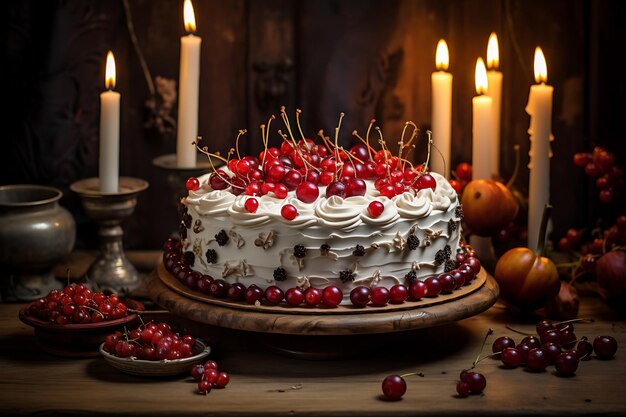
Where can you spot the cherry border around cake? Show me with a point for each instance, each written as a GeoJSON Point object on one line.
{"type": "Point", "coordinates": [471, 300]}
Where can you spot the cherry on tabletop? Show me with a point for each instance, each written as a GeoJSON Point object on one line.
{"type": "Point", "coordinates": [312, 296]}
{"type": "Point", "coordinates": [477, 382]}
{"type": "Point", "coordinates": [605, 347]}
{"type": "Point", "coordinates": [332, 296]}
{"type": "Point", "coordinates": [204, 387]}
{"type": "Point", "coordinates": [566, 363]}
{"type": "Point", "coordinates": [511, 357]}
{"type": "Point", "coordinates": [502, 343]}
{"type": "Point", "coordinates": [398, 294]}
{"type": "Point", "coordinates": [417, 290]}
{"type": "Point", "coordinates": [537, 359]}
{"type": "Point", "coordinates": [394, 387]}
{"type": "Point", "coordinates": [294, 297]}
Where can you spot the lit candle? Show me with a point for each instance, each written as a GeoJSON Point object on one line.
{"type": "Point", "coordinates": [494, 91]}
{"type": "Point", "coordinates": [540, 110]}
{"type": "Point", "coordinates": [109, 131]}
{"type": "Point", "coordinates": [441, 82]}
{"type": "Point", "coordinates": [482, 127]}
{"type": "Point", "coordinates": [188, 91]}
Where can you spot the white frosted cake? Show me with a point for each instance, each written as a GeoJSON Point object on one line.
{"type": "Point", "coordinates": [359, 225]}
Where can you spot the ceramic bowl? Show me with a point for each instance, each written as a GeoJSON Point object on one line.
{"type": "Point", "coordinates": [78, 340]}
{"type": "Point", "coordinates": [164, 367]}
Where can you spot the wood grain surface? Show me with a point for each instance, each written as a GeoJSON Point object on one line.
{"type": "Point", "coordinates": [267, 384]}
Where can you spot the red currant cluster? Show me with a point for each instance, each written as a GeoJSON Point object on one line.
{"type": "Point", "coordinates": [467, 267]}
{"type": "Point", "coordinates": [463, 175]}
{"type": "Point", "coordinates": [303, 165]}
{"type": "Point", "coordinates": [77, 304]}
{"type": "Point", "coordinates": [151, 341]}
{"type": "Point", "coordinates": [596, 242]}
{"type": "Point", "coordinates": [600, 164]}
{"type": "Point", "coordinates": [208, 376]}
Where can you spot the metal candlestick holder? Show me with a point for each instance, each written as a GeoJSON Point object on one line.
{"type": "Point", "coordinates": [177, 176]}
{"type": "Point", "coordinates": [111, 270]}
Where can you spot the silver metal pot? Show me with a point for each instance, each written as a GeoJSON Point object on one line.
{"type": "Point", "coordinates": [36, 233]}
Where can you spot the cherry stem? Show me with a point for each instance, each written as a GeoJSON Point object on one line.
{"type": "Point", "coordinates": [508, 326]}
{"type": "Point", "coordinates": [489, 333]}
{"type": "Point", "coordinates": [412, 373]}
{"type": "Point", "coordinates": [94, 310]}
{"type": "Point", "coordinates": [541, 239]}
{"type": "Point", "coordinates": [430, 142]}
{"type": "Point", "coordinates": [581, 320]}
{"type": "Point", "coordinates": [241, 133]}
{"type": "Point", "coordinates": [367, 136]}
{"type": "Point", "coordinates": [511, 181]}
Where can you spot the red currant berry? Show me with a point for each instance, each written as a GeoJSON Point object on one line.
{"type": "Point", "coordinates": [375, 209]}
{"type": "Point", "coordinates": [251, 204]}
{"type": "Point", "coordinates": [289, 212]}
{"type": "Point", "coordinates": [192, 184]}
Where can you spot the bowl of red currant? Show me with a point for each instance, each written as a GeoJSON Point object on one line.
{"type": "Point", "coordinates": [75, 320]}
{"type": "Point", "coordinates": [153, 349]}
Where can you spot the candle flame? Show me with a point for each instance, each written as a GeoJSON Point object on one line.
{"type": "Point", "coordinates": [481, 77]}
{"type": "Point", "coordinates": [189, 16]}
{"type": "Point", "coordinates": [493, 52]}
{"type": "Point", "coordinates": [442, 58]}
{"type": "Point", "coordinates": [109, 77]}
{"type": "Point", "coordinates": [541, 68]}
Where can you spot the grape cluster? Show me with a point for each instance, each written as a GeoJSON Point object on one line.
{"type": "Point", "coordinates": [150, 341]}
{"type": "Point", "coordinates": [76, 303]}
{"type": "Point", "coordinates": [208, 376]}
{"type": "Point", "coordinates": [600, 165]}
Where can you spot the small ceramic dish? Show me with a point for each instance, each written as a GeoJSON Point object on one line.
{"type": "Point", "coordinates": [164, 367]}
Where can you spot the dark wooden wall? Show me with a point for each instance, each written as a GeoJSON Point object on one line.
{"type": "Point", "coordinates": [365, 58]}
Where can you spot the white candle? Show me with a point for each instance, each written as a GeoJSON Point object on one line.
{"type": "Point", "coordinates": [109, 131]}
{"type": "Point", "coordinates": [482, 128]}
{"type": "Point", "coordinates": [540, 110]}
{"type": "Point", "coordinates": [441, 82]}
{"type": "Point", "coordinates": [494, 91]}
{"type": "Point", "coordinates": [188, 92]}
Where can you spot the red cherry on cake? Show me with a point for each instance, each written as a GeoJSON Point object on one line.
{"type": "Point", "coordinates": [332, 296]}
{"type": "Point", "coordinates": [192, 184]}
{"type": "Point", "coordinates": [274, 295]}
{"type": "Point", "coordinates": [426, 181]}
{"type": "Point", "coordinates": [417, 290]}
{"type": "Point", "coordinates": [307, 192]}
{"type": "Point", "coordinates": [355, 187]}
{"type": "Point", "coordinates": [280, 190]}
{"type": "Point", "coordinates": [251, 204]}
{"type": "Point", "coordinates": [375, 208]}
{"type": "Point", "coordinates": [243, 166]}
{"type": "Point", "coordinates": [294, 297]}
{"type": "Point", "coordinates": [379, 296]}
{"type": "Point", "coordinates": [292, 179]}
{"type": "Point", "coordinates": [276, 172]}
{"type": "Point", "coordinates": [217, 180]}
{"type": "Point", "coordinates": [312, 296]}
{"type": "Point", "coordinates": [289, 211]}
{"type": "Point", "coordinates": [360, 296]}
{"type": "Point", "coordinates": [398, 294]}
{"type": "Point", "coordinates": [337, 188]}
{"type": "Point", "coordinates": [326, 177]}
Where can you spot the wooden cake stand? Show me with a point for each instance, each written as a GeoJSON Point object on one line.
{"type": "Point", "coordinates": [297, 331]}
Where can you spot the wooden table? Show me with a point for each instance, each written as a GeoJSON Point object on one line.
{"type": "Point", "coordinates": [265, 383]}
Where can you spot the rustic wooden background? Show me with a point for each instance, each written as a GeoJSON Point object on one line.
{"type": "Point", "coordinates": [366, 58]}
